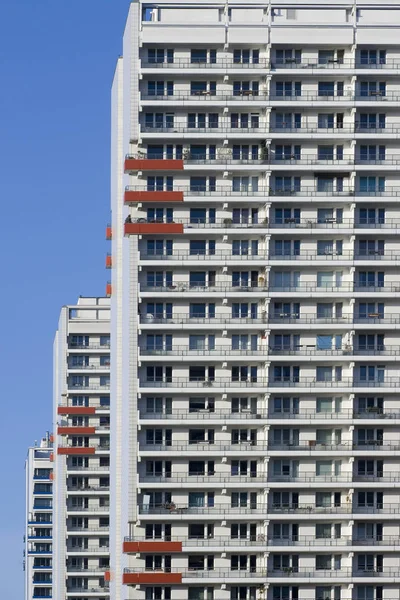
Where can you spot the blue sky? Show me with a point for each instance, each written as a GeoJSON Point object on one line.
{"type": "Point", "coordinates": [57, 60]}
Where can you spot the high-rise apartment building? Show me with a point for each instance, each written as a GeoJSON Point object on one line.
{"type": "Point", "coordinates": [82, 451]}
{"type": "Point", "coordinates": [255, 307]}
{"type": "Point", "coordinates": [38, 550]}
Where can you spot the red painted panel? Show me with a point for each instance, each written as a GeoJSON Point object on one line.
{"type": "Point", "coordinates": [148, 164]}
{"type": "Point", "coordinates": [76, 430]}
{"type": "Point", "coordinates": [78, 451]}
{"type": "Point", "coordinates": [134, 547]}
{"type": "Point", "coordinates": [153, 228]}
{"type": "Point", "coordinates": [151, 578]}
{"type": "Point", "coordinates": [76, 410]}
{"type": "Point", "coordinates": [145, 196]}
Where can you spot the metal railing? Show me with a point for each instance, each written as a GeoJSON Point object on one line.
{"type": "Point", "coordinates": [291, 223]}
{"type": "Point", "coordinates": [345, 382]}
{"type": "Point", "coordinates": [228, 159]}
{"type": "Point", "coordinates": [229, 95]}
{"type": "Point", "coordinates": [274, 64]}
{"type": "Point", "coordinates": [180, 319]}
{"type": "Point", "coordinates": [262, 256]}
{"type": "Point", "coordinates": [305, 191]}
{"type": "Point", "coordinates": [298, 350]}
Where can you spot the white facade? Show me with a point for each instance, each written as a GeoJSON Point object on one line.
{"type": "Point", "coordinates": [255, 302]}
{"type": "Point", "coordinates": [82, 451]}
{"type": "Point", "coordinates": [39, 520]}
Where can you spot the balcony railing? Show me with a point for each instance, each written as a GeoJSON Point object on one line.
{"type": "Point", "coordinates": [184, 382]}
{"type": "Point", "coordinates": [235, 448]}
{"type": "Point", "coordinates": [78, 569]}
{"type": "Point", "coordinates": [89, 549]}
{"type": "Point", "coordinates": [261, 414]}
{"type": "Point", "coordinates": [263, 351]}
{"type": "Point", "coordinates": [264, 479]}
{"type": "Point", "coordinates": [298, 572]}
{"type": "Point", "coordinates": [179, 319]}
{"type": "Point", "coordinates": [254, 289]}
{"type": "Point", "coordinates": [93, 509]}
{"type": "Point", "coordinates": [263, 95]}
{"type": "Point", "coordinates": [225, 256]}
{"type": "Point", "coordinates": [305, 191]}
{"type": "Point", "coordinates": [88, 488]}
{"type": "Point", "coordinates": [88, 590]}
{"type": "Point", "coordinates": [259, 509]}
{"type": "Point", "coordinates": [274, 64]}
{"type": "Point", "coordinates": [83, 529]}
{"type": "Point", "coordinates": [289, 223]}
{"type": "Point", "coordinates": [264, 541]}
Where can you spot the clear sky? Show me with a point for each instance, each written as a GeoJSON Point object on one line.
{"type": "Point", "coordinates": [57, 59]}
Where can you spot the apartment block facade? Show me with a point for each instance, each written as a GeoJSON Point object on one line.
{"type": "Point", "coordinates": [255, 302]}
{"type": "Point", "coordinates": [82, 451]}
{"type": "Point", "coordinates": [38, 538]}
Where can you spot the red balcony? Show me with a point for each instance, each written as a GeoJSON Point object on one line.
{"type": "Point", "coordinates": [134, 196]}
{"type": "Point", "coordinates": [108, 232]}
{"type": "Point", "coordinates": [153, 228]}
{"type": "Point", "coordinates": [76, 410]}
{"type": "Point", "coordinates": [156, 546]}
{"type": "Point", "coordinates": [108, 290]}
{"type": "Point", "coordinates": [76, 430]}
{"type": "Point", "coordinates": [151, 578]}
{"type": "Point", "coordinates": [76, 451]}
{"type": "Point", "coordinates": [108, 261]}
{"type": "Point", "coordinates": [152, 164]}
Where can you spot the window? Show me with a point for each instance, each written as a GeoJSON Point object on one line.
{"type": "Point", "coordinates": [371, 184]}
{"type": "Point", "coordinates": [288, 120]}
{"type": "Point", "coordinates": [371, 121]}
{"type": "Point", "coordinates": [288, 88]}
{"type": "Point", "coordinates": [287, 56]}
{"type": "Point", "coordinates": [246, 56]}
{"type": "Point", "coordinates": [160, 55]}
{"type": "Point", "coordinates": [287, 185]}
{"type": "Point", "coordinates": [372, 57]}
{"type": "Point", "coordinates": [246, 88]}
{"type": "Point", "coordinates": [372, 88]}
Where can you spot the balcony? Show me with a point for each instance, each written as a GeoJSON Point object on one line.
{"type": "Point", "coordinates": [94, 529]}
{"type": "Point", "coordinates": [180, 574]}
{"type": "Point", "coordinates": [201, 415]}
{"type": "Point", "coordinates": [187, 63]}
{"type": "Point", "coordinates": [88, 590]}
{"type": "Point", "coordinates": [309, 350]}
{"type": "Point", "coordinates": [144, 163]}
{"type": "Point", "coordinates": [133, 195]}
{"type": "Point", "coordinates": [88, 550]}
{"type": "Point", "coordinates": [229, 512]}
{"type": "Point", "coordinates": [204, 447]}
{"type": "Point", "coordinates": [88, 488]}
{"type": "Point", "coordinates": [76, 430]}
{"type": "Point", "coordinates": [141, 577]}
{"type": "Point", "coordinates": [133, 546]}
{"type": "Point", "coordinates": [141, 227]}
{"type": "Point", "coordinates": [262, 541]}
{"type": "Point", "coordinates": [307, 225]}
{"type": "Point", "coordinates": [208, 97]}
{"type": "Point", "coordinates": [262, 257]}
